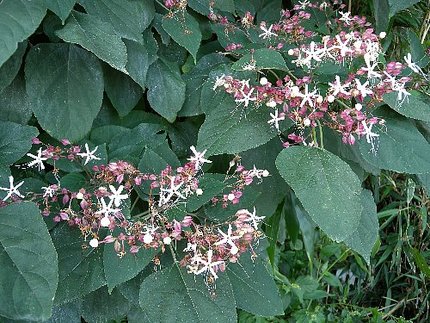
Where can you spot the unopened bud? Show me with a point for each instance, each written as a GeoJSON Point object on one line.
{"type": "Point", "coordinates": [94, 243]}
{"type": "Point", "coordinates": [263, 81]}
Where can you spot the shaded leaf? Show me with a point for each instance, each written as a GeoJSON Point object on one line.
{"type": "Point", "coordinates": [66, 83]}
{"type": "Point", "coordinates": [417, 107]}
{"type": "Point", "coordinates": [61, 8]}
{"type": "Point", "coordinates": [263, 58]}
{"type": "Point", "coordinates": [10, 68]}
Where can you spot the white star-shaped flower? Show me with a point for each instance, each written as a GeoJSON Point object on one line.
{"type": "Point", "coordinates": [220, 81]}
{"type": "Point", "coordinates": [275, 119]}
{"type": "Point", "coordinates": [88, 154]}
{"type": "Point", "coordinates": [246, 98]}
{"type": "Point", "coordinates": [167, 193]}
{"type": "Point", "coordinates": [209, 265]}
{"type": "Point", "coordinates": [48, 191]}
{"type": "Point", "coordinates": [228, 239]}
{"type": "Point", "coordinates": [342, 46]}
{"type": "Point", "coordinates": [307, 97]}
{"type": "Point", "coordinates": [12, 190]}
{"type": "Point", "coordinates": [303, 4]}
{"type": "Point", "coordinates": [346, 17]}
{"type": "Point", "coordinates": [106, 209]}
{"type": "Point", "coordinates": [38, 160]}
{"type": "Point", "coordinates": [362, 88]}
{"type": "Point", "coordinates": [313, 52]}
{"type": "Point", "coordinates": [198, 158]}
{"type": "Point", "coordinates": [337, 87]}
{"type": "Point", "coordinates": [254, 218]}
{"type": "Point", "coordinates": [116, 196]}
{"type": "Point", "coordinates": [413, 66]}
{"type": "Point", "coordinates": [267, 33]}
{"type": "Point", "coordinates": [370, 68]}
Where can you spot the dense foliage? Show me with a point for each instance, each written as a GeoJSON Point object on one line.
{"type": "Point", "coordinates": [214, 161]}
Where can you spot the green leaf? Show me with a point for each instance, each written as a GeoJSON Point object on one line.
{"type": "Point", "coordinates": [101, 306]}
{"type": "Point", "coordinates": [185, 30]}
{"type": "Point", "coordinates": [129, 18]}
{"type": "Point", "coordinates": [73, 181]}
{"type": "Point", "coordinates": [66, 83]}
{"type": "Point", "coordinates": [121, 269]}
{"type": "Point", "coordinates": [202, 6]}
{"type": "Point", "coordinates": [10, 68]}
{"type": "Point", "coordinates": [29, 273]}
{"type": "Point", "coordinates": [166, 89]}
{"type": "Point", "coordinates": [122, 91]}
{"type": "Point", "coordinates": [15, 105]}
{"type": "Point", "coordinates": [70, 312]}
{"type": "Point", "coordinates": [421, 262]}
{"type": "Point", "coordinates": [15, 141]}
{"type": "Point", "coordinates": [326, 186]}
{"type": "Point", "coordinates": [18, 20]}
{"type": "Point", "coordinates": [97, 37]}
{"type": "Point", "coordinates": [173, 295]}
{"type": "Point", "coordinates": [381, 10]}
{"type": "Point", "coordinates": [80, 266]}
{"type": "Point", "coordinates": [397, 5]}
{"type": "Point", "coordinates": [263, 58]}
{"type": "Point", "coordinates": [227, 131]}
{"type": "Point", "coordinates": [363, 238]}
{"type": "Point", "coordinates": [104, 134]}
{"type": "Point", "coordinates": [157, 157]}
{"type": "Point", "coordinates": [140, 57]}
{"type": "Point", "coordinates": [61, 8]}
{"type": "Point", "coordinates": [254, 288]}
{"type": "Point", "coordinates": [212, 185]}
{"type": "Point", "coordinates": [401, 148]}
{"type": "Point", "coordinates": [417, 107]}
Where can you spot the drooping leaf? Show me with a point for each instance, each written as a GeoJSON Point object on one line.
{"type": "Point", "coordinates": [227, 131]}
{"type": "Point", "coordinates": [381, 10]}
{"type": "Point", "coordinates": [121, 269]}
{"type": "Point", "coordinates": [173, 295]}
{"type": "Point", "coordinates": [401, 147]}
{"type": "Point", "coordinates": [166, 89]}
{"type": "Point", "coordinates": [122, 91]}
{"type": "Point", "coordinates": [101, 306]}
{"type": "Point", "coordinates": [417, 107]}
{"type": "Point", "coordinates": [15, 141]}
{"type": "Point", "coordinates": [254, 288]}
{"type": "Point", "coordinates": [140, 57]}
{"type": "Point", "coordinates": [156, 157]}
{"type": "Point", "coordinates": [263, 58]}
{"type": "Point", "coordinates": [10, 68]}
{"type": "Point", "coordinates": [421, 262]}
{"type": "Point", "coordinates": [96, 36]}
{"type": "Point", "coordinates": [396, 5]}
{"type": "Point", "coordinates": [80, 266]}
{"type": "Point", "coordinates": [185, 30]}
{"type": "Point", "coordinates": [66, 83]}
{"type": "Point", "coordinates": [15, 105]}
{"type": "Point", "coordinates": [61, 8]}
{"type": "Point", "coordinates": [326, 186]}
{"type": "Point", "coordinates": [129, 18]}
{"type": "Point", "coordinates": [18, 20]}
{"type": "Point", "coordinates": [365, 235]}
{"type": "Point", "coordinates": [29, 273]}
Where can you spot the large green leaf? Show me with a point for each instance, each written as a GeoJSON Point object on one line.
{"type": "Point", "coordinates": [381, 10]}
{"type": "Point", "coordinates": [417, 107]}
{"type": "Point", "coordinates": [211, 185]}
{"type": "Point", "coordinates": [156, 157]}
{"type": "Point", "coordinates": [61, 8]}
{"type": "Point", "coordinates": [166, 89]}
{"type": "Point", "coordinates": [15, 105]}
{"type": "Point", "coordinates": [29, 264]}
{"type": "Point", "coordinates": [122, 91]}
{"type": "Point", "coordinates": [254, 288]}
{"type": "Point", "coordinates": [121, 269]}
{"type": "Point", "coordinates": [10, 68]}
{"type": "Point", "coordinates": [97, 36]}
{"type": "Point", "coordinates": [15, 141]}
{"type": "Point", "coordinates": [129, 17]}
{"type": "Point", "coordinates": [80, 266]}
{"type": "Point", "coordinates": [398, 5]}
{"type": "Point", "coordinates": [18, 20]}
{"type": "Point", "coordinates": [203, 6]}
{"type": "Point", "coordinates": [263, 58]}
{"type": "Point", "coordinates": [326, 186]}
{"type": "Point", "coordinates": [185, 30]}
{"type": "Point", "coordinates": [401, 147]}
{"type": "Point", "coordinates": [66, 83]}
{"type": "Point", "coordinates": [101, 306]}
{"type": "Point", "coordinates": [173, 295]}
{"type": "Point", "coordinates": [365, 235]}
{"type": "Point", "coordinates": [228, 129]}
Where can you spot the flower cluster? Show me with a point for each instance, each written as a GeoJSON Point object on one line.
{"type": "Point", "coordinates": [344, 103]}
{"type": "Point", "coordinates": [101, 209]}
